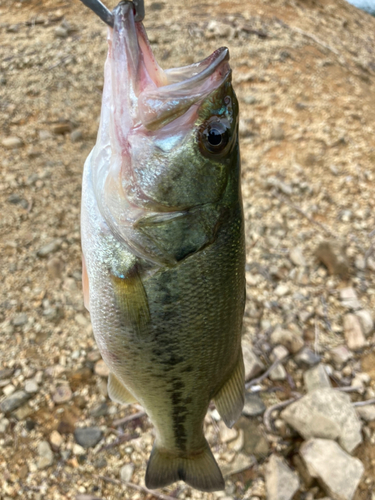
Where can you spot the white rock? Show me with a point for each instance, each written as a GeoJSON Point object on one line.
{"type": "Point", "coordinates": [11, 142]}
{"type": "Point", "coordinates": [31, 386]}
{"type": "Point", "coordinates": [296, 256]}
{"type": "Point", "coordinates": [126, 472]}
{"type": "Point", "coordinates": [292, 340]}
{"type": "Point", "coordinates": [367, 323]}
{"type": "Point", "coordinates": [281, 290]}
{"type": "Point", "coordinates": [366, 413]}
{"type": "Point", "coordinates": [340, 355]}
{"type": "Point", "coordinates": [56, 439]}
{"type": "Point", "coordinates": [325, 413]}
{"type": "Point", "coordinates": [78, 449]}
{"type": "Point", "coordinates": [253, 365]}
{"type": "Point", "coordinates": [338, 472]}
{"type": "Point", "coordinates": [226, 434]}
{"type": "Point", "coordinates": [316, 378]}
{"type": "Point", "coordinates": [45, 455]}
{"type": "Point", "coordinates": [281, 482]}
{"type": "Point", "coordinates": [353, 332]}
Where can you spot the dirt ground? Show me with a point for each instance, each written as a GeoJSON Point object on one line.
{"type": "Point", "coordinates": [304, 73]}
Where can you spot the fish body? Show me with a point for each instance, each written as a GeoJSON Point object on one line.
{"type": "Point", "coordinates": [163, 248]}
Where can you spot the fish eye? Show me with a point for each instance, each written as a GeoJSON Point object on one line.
{"type": "Point", "coordinates": [214, 135]}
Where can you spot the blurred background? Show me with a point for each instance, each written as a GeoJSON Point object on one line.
{"type": "Point", "coordinates": [304, 73]}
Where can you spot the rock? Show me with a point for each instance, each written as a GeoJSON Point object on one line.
{"type": "Point", "coordinates": [292, 340]}
{"type": "Point", "coordinates": [55, 267]}
{"type": "Point", "coordinates": [353, 332]}
{"type": "Point", "coordinates": [253, 365]}
{"type": "Point", "coordinates": [88, 437]}
{"type": "Point", "coordinates": [51, 247]}
{"type": "Point", "coordinates": [31, 386]}
{"type": "Point", "coordinates": [101, 368]}
{"type": "Point", "coordinates": [279, 372]}
{"type": "Point", "coordinates": [62, 394]}
{"type": "Point", "coordinates": [281, 482]}
{"type": "Point", "coordinates": [366, 321]}
{"type": "Point", "coordinates": [45, 455]}
{"type": "Point", "coordinates": [6, 373]}
{"type": "Point", "coordinates": [340, 355]}
{"type": "Point", "coordinates": [349, 298]}
{"type": "Point", "coordinates": [8, 389]}
{"type": "Point", "coordinates": [316, 378]}
{"type": "Point", "coordinates": [338, 472]}
{"type": "Point", "coordinates": [226, 434]}
{"type": "Point", "coordinates": [306, 358]}
{"type": "Point", "coordinates": [218, 29]}
{"type": "Point", "coordinates": [254, 440]}
{"type": "Point", "coordinates": [11, 142]}
{"type": "Point", "coordinates": [4, 424]}
{"type": "Point", "coordinates": [56, 439]}
{"type": "Point", "coordinates": [240, 463]}
{"type": "Point", "coordinates": [328, 414]}
{"type": "Point", "coordinates": [297, 258]}
{"type": "Point", "coordinates": [99, 410]}
{"type": "Point", "coordinates": [23, 412]}
{"type": "Point", "coordinates": [20, 320]}
{"type": "Point", "coordinates": [81, 319]}
{"type": "Point", "coordinates": [13, 401]}
{"type": "Point", "coordinates": [332, 254]}
{"type": "Point", "coordinates": [366, 413]}
{"type": "Point", "coordinates": [126, 472]}
{"type": "Point", "coordinates": [61, 32]}
{"type": "Point", "coordinates": [78, 450]}
{"type": "Point", "coordinates": [277, 133]}
{"type": "Point", "coordinates": [254, 405]}
{"type": "Point", "coordinates": [281, 290]}
{"type": "Point", "coordinates": [76, 135]}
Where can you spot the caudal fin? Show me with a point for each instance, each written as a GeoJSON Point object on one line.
{"type": "Point", "coordinates": [199, 471]}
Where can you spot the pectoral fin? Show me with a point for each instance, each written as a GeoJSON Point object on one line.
{"type": "Point", "coordinates": [118, 393]}
{"type": "Point", "coordinates": [132, 301]}
{"type": "Point", "coordinates": [230, 399]}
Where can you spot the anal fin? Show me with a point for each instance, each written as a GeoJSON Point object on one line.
{"type": "Point", "coordinates": [118, 393]}
{"type": "Point", "coordinates": [230, 399]}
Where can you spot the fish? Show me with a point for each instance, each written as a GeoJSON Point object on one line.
{"type": "Point", "coordinates": [163, 247]}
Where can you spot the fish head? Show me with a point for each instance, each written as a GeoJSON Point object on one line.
{"type": "Point", "coordinates": [168, 140]}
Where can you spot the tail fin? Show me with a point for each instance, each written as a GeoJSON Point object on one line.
{"type": "Point", "coordinates": [199, 471]}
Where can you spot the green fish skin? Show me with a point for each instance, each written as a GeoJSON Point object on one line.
{"type": "Point", "coordinates": [163, 248]}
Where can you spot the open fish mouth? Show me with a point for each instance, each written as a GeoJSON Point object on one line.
{"type": "Point", "coordinates": [148, 95]}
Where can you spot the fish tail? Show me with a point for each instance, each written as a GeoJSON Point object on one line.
{"type": "Point", "coordinates": [199, 471]}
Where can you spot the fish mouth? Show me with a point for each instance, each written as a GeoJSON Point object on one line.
{"type": "Point", "coordinates": [154, 97]}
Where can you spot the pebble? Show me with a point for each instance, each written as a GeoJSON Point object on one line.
{"type": "Point", "coordinates": [62, 394]}
{"type": "Point", "coordinates": [279, 372]}
{"type": "Point", "coordinates": [6, 373]}
{"type": "Point", "coordinates": [101, 368]}
{"type": "Point", "coordinates": [353, 332]}
{"type": "Point", "coordinates": [55, 267]}
{"type": "Point", "coordinates": [126, 472]}
{"type": "Point", "coordinates": [349, 298]}
{"type": "Point", "coordinates": [88, 436]}
{"type": "Point", "coordinates": [338, 472]}
{"type": "Point", "coordinates": [45, 455]}
{"type": "Point", "coordinates": [316, 378]}
{"type": "Point", "coordinates": [61, 32]}
{"type": "Point", "coordinates": [226, 434]}
{"type": "Point", "coordinates": [13, 401]}
{"type": "Point", "coordinates": [253, 365]}
{"type": "Point", "coordinates": [332, 254]}
{"type": "Point", "coordinates": [366, 413]}
{"type": "Point", "coordinates": [20, 320]}
{"type": "Point", "coordinates": [8, 389]}
{"type": "Point", "coordinates": [4, 424]}
{"type": "Point", "coordinates": [281, 290]}
{"type": "Point", "coordinates": [306, 358]}
{"type": "Point", "coordinates": [297, 258]}
{"type": "Point", "coordinates": [81, 319]}
{"type": "Point", "coordinates": [240, 463]}
{"type": "Point", "coordinates": [31, 386]}
{"type": "Point", "coordinates": [281, 482]}
{"type": "Point", "coordinates": [78, 450]}
{"type": "Point", "coordinates": [254, 439]}
{"type": "Point", "coordinates": [277, 133]}
{"type": "Point", "coordinates": [340, 355]}
{"type": "Point", "coordinates": [292, 340]}
{"type": "Point", "coordinates": [51, 247]}
{"type": "Point", "coordinates": [11, 142]}
{"type": "Point", "coordinates": [253, 406]}
{"type": "Point", "coordinates": [366, 321]}
{"type": "Point", "coordinates": [325, 413]}
{"type": "Point", "coordinates": [56, 439]}
{"type": "Point", "coordinates": [76, 135]}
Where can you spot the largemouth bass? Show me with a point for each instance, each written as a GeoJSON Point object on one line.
{"type": "Point", "coordinates": [163, 247]}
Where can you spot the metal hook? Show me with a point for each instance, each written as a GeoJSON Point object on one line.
{"type": "Point", "coordinates": [106, 15]}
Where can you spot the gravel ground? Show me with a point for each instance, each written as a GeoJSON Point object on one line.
{"type": "Point", "coordinates": [304, 72]}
